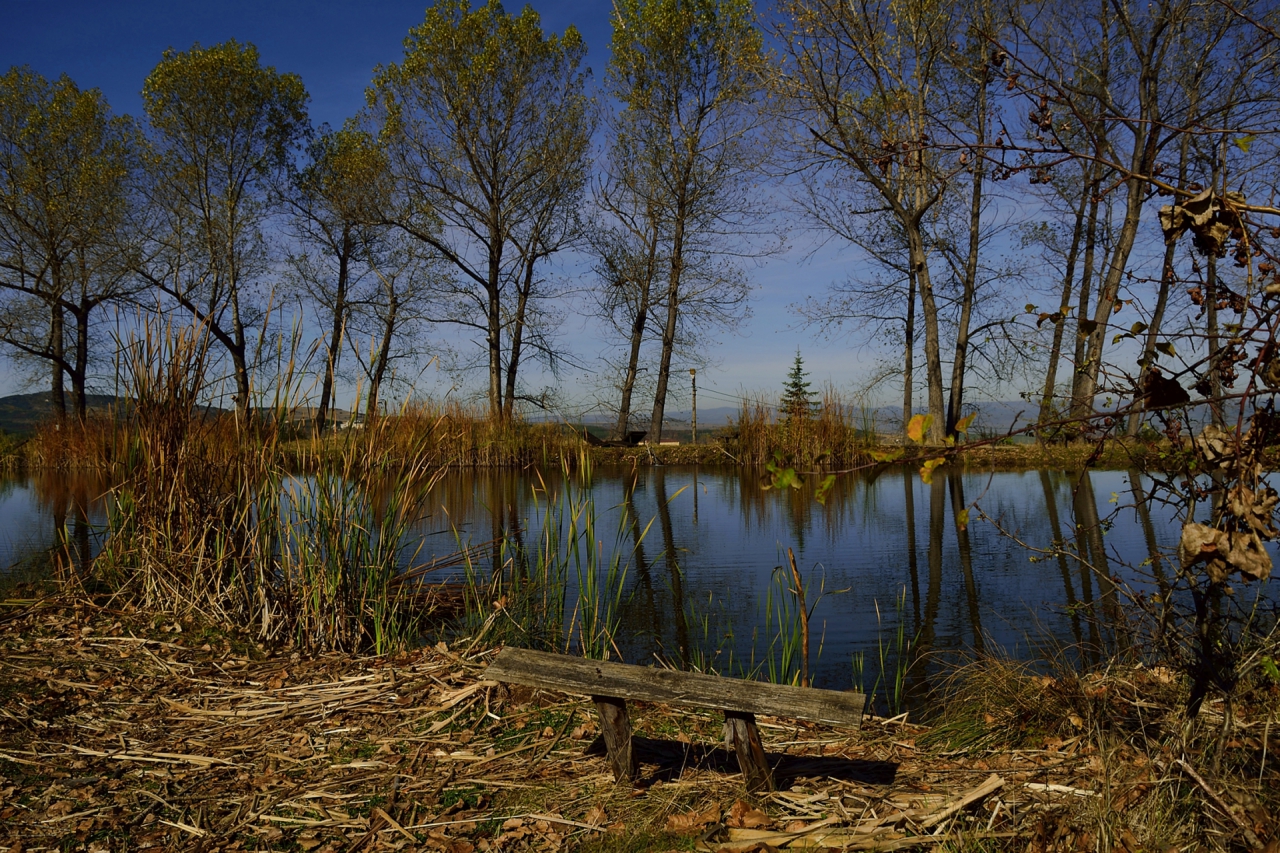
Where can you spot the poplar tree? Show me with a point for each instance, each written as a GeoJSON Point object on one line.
{"type": "Point", "coordinates": [223, 129]}
{"type": "Point", "coordinates": [66, 171]}
{"type": "Point", "coordinates": [488, 127]}
{"type": "Point", "coordinates": [336, 202]}
{"type": "Point", "coordinates": [690, 77]}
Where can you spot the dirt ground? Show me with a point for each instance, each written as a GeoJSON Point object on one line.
{"type": "Point", "coordinates": [118, 733]}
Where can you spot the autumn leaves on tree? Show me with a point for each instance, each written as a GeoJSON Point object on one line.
{"type": "Point", "coordinates": [994, 171]}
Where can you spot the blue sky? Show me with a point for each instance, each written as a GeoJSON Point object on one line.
{"type": "Point", "coordinates": [334, 47]}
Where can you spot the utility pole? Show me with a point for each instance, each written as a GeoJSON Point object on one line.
{"type": "Point", "coordinates": [693, 378]}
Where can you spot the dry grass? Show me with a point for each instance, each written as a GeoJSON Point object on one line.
{"type": "Point", "coordinates": [122, 733]}
{"type": "Point", "coordinates": [1161, 781]}
{"type": "Point", "coordinates": [838, 434]}
{"type": "Point", "coordinates": [445, 435]}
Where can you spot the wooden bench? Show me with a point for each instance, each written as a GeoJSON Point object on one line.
{"type": "Point", "coordinates": [610, 685]}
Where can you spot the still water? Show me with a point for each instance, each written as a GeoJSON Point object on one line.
{"type": "Point", "coordinates": [883, 556]}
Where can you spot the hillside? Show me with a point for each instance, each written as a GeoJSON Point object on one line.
{"type": "Point", "coordinates": [22, 413]}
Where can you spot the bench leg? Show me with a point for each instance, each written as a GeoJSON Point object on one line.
{"type": "Point", "coordinates": [615, 726]}
{"type": "Point", "coordinates": [742, 736]}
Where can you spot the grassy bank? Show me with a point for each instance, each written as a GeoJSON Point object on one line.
{"type": "Point", "coordinates": [122, 731]}
{"type": "Point", "coordinates": [454, 438]}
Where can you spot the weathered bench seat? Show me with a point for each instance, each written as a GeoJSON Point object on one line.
{"type": "Point", "coordinates": [611, 684]}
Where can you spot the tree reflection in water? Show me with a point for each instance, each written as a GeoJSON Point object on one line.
{"type": "Point", "coordinates": [701, 547]}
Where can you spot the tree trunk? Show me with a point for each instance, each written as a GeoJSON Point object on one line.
{"type": "Point", "coordinates": [517, 336]}
{"type": "Point", "coordinates": [1211, 307]}
{"type": "Point", "coordinates": [637, 337]}
{"type": "Point", "coordinates": [1153, 332]}
{"type": "Point", "coordinates": [1109, 292]}
{"type": "Point", "coordinates": [1064, 305]}
{"type": "Point", "coordinates": [378, 367]}
{"type": "Point", "coordinates": [932, 343]}
{"type": "Point", "coordinates": [909, 346]}
{"type": "Point", "coordinates": [57, 351]}
{"type": "Point", "coordinates": [669, 329]}
{"type": "Point", "coordinates": [239, 361]}
{"type": "Point", "coordinates": [336, 332]}
{"type": "Point", "coordinates": [970, 284]}
{"type": "Point", "coordinates": [1078, 403]}
{"type": "Point", "coordinates": [493, 288]}
{"type": "Point", "coordinates": [80, 370]}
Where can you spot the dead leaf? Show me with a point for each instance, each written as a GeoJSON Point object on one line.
{"type": "Point", "coordinates": [59, 809]}
{"type": "Point", "coordinates": [693, 820]}
{"type": "Point", "coordinates": [745, 816]}
{"type": "Point", "coordinates": [596, 815]}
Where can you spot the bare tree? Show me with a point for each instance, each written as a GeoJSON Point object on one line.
{"type": "Point", "coordinates": [390, 314]}
{"type": "Point", "coordinates": [689, 77]}
{"type": "Point", "coordinates": [1119, 84]}
{"type": "Point", "coordinates": [628, 243]}
{"type": "Point", "coordinates": [864, 82]}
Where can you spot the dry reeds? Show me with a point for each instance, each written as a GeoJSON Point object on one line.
{"type": "Point", "coordinates": [441, 435]}
{"type": "Point", "coordinates": [163, 737]}
{"type": "Point", "coordinates": [208, 519]}
{"type": "Point", "coordinates": [72, 444]}
{"type": "Point", "coordinates": [835, 432]}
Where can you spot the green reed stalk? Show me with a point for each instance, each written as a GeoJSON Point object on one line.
{"type": "Point", "coordinates": [894, 657]}
{"type": "Point", "coordinates": [533, 586]}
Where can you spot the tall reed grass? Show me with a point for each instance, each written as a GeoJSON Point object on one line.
{"type": "Point", "coordinates": [448, 434]}
{"type": "Point", "coordinates": [439, 435]}
{"type": "Point", "coordinates": [837, 432]}
{"type": "Point", "coordinates": [208, 518]}
{"type": "Point", "coordinates": [564, 591]}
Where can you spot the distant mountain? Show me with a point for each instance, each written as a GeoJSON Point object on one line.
{"type": "Point", "coordinates": [22, 413]}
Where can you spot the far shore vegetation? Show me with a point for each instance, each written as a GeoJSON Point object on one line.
{"type": "Point", "coordinates": [833, 437]}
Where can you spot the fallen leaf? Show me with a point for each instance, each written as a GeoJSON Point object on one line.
{"type": "Point", "coordinates": [690, 821]}
{"type": "Point", "coordinates": [59, 809]}
{"type": "Point", "coordinates": [745, 816]}
{"type": "Point", "coordinates": [596, 815]}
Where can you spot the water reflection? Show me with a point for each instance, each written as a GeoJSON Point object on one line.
{"type": "Point", "coordinates": [701, 547]}
{"type": "Point", "coordinates": [52, 521]}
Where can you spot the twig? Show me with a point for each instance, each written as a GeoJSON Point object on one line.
{"type": "Point", "coordinates": [1221, 804]}
{"type": "Point", "coordinates": [992, 784]}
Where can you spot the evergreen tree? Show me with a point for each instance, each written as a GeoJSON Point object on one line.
{"type": "Point", "coordinates": [797, 398]}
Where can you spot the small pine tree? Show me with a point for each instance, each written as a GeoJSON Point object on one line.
{"type": "Point", "coordinates": [797, 398]}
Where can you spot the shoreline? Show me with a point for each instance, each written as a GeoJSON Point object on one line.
{"type": "Point", "coordinates": [1115, 454]}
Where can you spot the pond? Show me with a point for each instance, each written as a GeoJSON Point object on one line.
{"type": "Point", "coordinates": [884, 559]}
